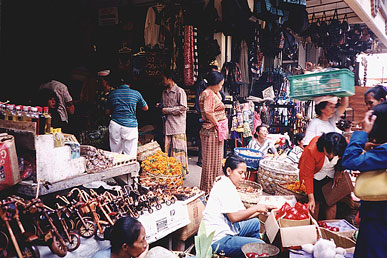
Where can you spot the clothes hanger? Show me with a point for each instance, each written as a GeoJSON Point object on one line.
{"type": "Point", "coordinates": [124, 49]}
{"type": "Point", "coordinates": [141, 52]}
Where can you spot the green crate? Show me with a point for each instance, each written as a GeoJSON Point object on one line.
{"type": "Point", "coordinates": [339, 83]}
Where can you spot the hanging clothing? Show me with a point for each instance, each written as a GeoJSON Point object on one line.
{"type": "Point", "coordinates": [244, 62]}
{"type": "Point", "coordinates": [195, 54]}
{"type": "Point", "coordinates": [188, 56]}
{"type": "Point", "coordinates": [152, 27]}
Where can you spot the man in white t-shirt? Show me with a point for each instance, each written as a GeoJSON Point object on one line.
{"type": "Point", "coordinates": [328, 114]}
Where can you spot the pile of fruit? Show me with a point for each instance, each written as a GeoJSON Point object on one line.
{"type": "Point", "coordinates": [297, 187]}
{"type": "Point", "coordinates": [298, 212]}
{"type": "Point", "coordinates": [256, 255]}
{"type": "Point", "coordinates": [160, 163]}
{"type": "Point", "coordinates": [323, 224]}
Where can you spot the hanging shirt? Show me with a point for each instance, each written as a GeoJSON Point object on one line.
{"type": "Point", "coordinates": [152, 27]}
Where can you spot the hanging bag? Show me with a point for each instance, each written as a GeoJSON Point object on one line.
{"type": "Point", "coordinates": [372, 186]}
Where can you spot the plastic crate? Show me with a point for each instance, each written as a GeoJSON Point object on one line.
{"type": "Point", "coordinates": [251, 161]}
{"type": "Point", "coordinates": [339, 83]}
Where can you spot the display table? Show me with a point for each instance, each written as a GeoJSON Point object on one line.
{"type": "Point", "coordinates": [29, 188]}
{"type": "Point", "coordinates": [157, 225]}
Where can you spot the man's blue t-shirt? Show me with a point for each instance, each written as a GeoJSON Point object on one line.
{"type": "Point", "coordinates": [123, 102]}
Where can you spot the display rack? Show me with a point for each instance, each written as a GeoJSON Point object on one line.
{"type": "Point", "coordinates": [29, 188]}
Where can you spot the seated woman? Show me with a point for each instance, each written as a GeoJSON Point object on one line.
{"type": "Point", "coordinates": [234, 225]}
{"type": "Point", "coordinates": [371, 241]}
{"type": "Point", "coordinates": [298, 147]}
{"type": "Point", "coordinates": [318, 167]}
{"type": "Point", "coordinates": [261, 143]}
{"type": "Point", "coordinates": [127, 238]}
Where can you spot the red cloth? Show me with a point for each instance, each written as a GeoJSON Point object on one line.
{"type": "Point", "coordinates": [188, 56]}
{"type": "Point", "coordinates": [223, 129]}
{"type": "Point", "coordinates": [311, 162]}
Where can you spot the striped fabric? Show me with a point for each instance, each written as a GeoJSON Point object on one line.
{"type": "Point", "coordinates": [176, 146]}
{"type": "Point", "coordinates": [212, 153]}
{"type": "Point", "coordinates": [122, 103]}
{"type": "Point", "coordinates": [188, 56]}
{"type": "Point", "coordinates": [195, 54]}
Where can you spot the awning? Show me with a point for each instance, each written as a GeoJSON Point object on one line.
{"type": "Point", "coordinates": [357, 12]}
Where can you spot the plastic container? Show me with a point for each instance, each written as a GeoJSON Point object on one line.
{"type": "Point", "coordinates": [339, 83]}
{"type": "Point", "coordinates": [251, 161]}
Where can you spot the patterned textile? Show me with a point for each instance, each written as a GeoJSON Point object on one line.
{"type": "Point", "coordinates": [195, 53]}
{"type": "Point", "coordinates": [267, 144]}
{"type": "Point", "coordinates": [212, 153]}
{"type": "Point", "coordinates": [211, 103]}
{"type": "Point", "coordinates": [188, 56]}
{"type": "Point", "coordinates": [176, 146]}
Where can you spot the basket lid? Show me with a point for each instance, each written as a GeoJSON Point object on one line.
{"type": "Point", "coordinates": [277, 166]}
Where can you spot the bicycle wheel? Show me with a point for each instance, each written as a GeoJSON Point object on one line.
{"type": "Point", "coordinates": [57, 247]}
{"type": "Point", "coordinates": [30, 251]}
{"type": "Point", "coordinates": [88, 229]}
{"type": "Point", "coordinates": [74, 242]}
{"type": "Point", "coordinates": [100, 235]}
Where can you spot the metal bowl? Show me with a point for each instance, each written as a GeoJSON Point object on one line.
{"type": "Point", "coordinates": [259, 248]}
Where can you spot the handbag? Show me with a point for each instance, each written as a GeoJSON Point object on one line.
{"type": "Point", "coordinates": [371, 186]}
{"type": "Point", "coordinates": [334, 193]}
{"type": "Point", "coordinates": [223, 129]}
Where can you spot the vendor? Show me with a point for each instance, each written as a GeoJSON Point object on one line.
{"type": "Point", "coordinates": [261, 143]}
{"type": "Point", "coordinates": [328, 111]}
{"type": "Point", "coordinates": [375, 96]}
{"type": "Point", "coordinates": [225, 214]}
{"type": "Point", "coordinates": [127, 238]}
{"type": "Point", "coordinates": [298, 147]}
{"type": "Point", "coordinates": [318, 167]}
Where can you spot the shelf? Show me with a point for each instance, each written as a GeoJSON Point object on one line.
{"type": "Point", "coordinates": [29, 188]}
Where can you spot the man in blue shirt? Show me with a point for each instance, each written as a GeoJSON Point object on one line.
{"type": "Point", "coordinates": [123, 127]}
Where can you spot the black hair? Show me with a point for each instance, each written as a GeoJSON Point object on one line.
{"type": "Point", "coordinates": [298, 138]}
{"type": "Point", "coordinates": [211, 67]}
{"type": "Point", "coordinates": [125, 230]}
{"type": "Point", "coordinates": [214, 77]}
{"type": "Point", "coordinates": [344, 124]}
{"type": "Point", "coordinates": [232, 162]}
{"type": "Point", "coordinates": [378, 132]}
{"type": "Point", "coordinates": [44, 95]}
{"type": "Point", "coordinates": [259, 128]}
{"type": "Point", "coordinates": [169, 74]}
{"type": "Point", "coordinates": [333, 143]}
{"type": "Point", "coordinates": [379, 92]}
{"type": "Point", "coordinates": [320, 106]}
{"type": "Point", "coordinates": [126, 77]}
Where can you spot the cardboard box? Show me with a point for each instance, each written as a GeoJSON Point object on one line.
{"type": "Point", "coordinates": [345, 228]}
{"type": "Point", "coordinates": [195, 214]}
{"type": "Point", "coordinates": [291, 232]}
{"type": "Point", "coordinates": [9, 166]}
{"type": "Point", "coordinates": [341, 241]}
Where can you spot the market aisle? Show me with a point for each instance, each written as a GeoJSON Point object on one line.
{"type": "Point", "coordinates": [193, 178]}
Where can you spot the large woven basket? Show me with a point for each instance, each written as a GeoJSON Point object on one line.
{"type": "Point", "coordinates": [146, 150]}
{"type": "Point", "coordinates": [273, 172]}
{"type": "Point", "coordinates": [252, 161]}
{"type": "Point", "coordinates": [271, 250]}
{"type": "Point", "coordinates": [282, 190]}
{"type": "Point", "coordinates": [249, 192]}
{"type": "Point", "coordinates": [170, 181]}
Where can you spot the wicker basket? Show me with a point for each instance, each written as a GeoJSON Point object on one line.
{"type": "Point", "coordinates": [259, 248]}
{"type": "Point", "coordinates": [282, 190]}
{"type": "Point", "coordinates": [249, 198]}
{"type": "Point", "coordinates": [170, 181]}
{"type": "Point", "coordinates": [146, 150]}
{"type": "Point", "coordinates": [273, 172]}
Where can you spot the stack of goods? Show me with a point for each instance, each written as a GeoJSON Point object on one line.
{"type": "Point", "coordinates": [96, 159]}
{"type": "Point", "coordinates": [298, 212]}
{"type": "Point", "coordinates": [163, 169]}
{"type": "Point", "coordinates": [296, 188]}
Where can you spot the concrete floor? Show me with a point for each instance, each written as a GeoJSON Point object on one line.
{"type": "Point", "coordinates": [193, 178]}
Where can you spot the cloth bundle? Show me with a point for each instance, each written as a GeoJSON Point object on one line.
{"type": "Point", "coordinates": [96, 159]}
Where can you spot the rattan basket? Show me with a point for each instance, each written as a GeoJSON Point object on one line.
{"type": "Point", "coordinates": [249, 198]}
{"type": "Point", "coordinates": [170, 181]}
{"type": "Point", "coordinates": [271, 250]}
{"type": "Point", "coordinates": [282, 190]}
{"type": "Point", "coordinates": [273, 172]}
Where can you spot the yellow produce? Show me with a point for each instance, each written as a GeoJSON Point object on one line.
{"type": "Point", "coordinates": [160, 163]}
{"type": "Point", "coordinates": [297, 187]}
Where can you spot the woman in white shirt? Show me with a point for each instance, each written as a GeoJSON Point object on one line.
{"type": "Point", "coordinates": [225, 214]}
{"type": "Point", "coordinates": [328, 112]}
{"type": "Point", "coordinates": [261, 143]}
